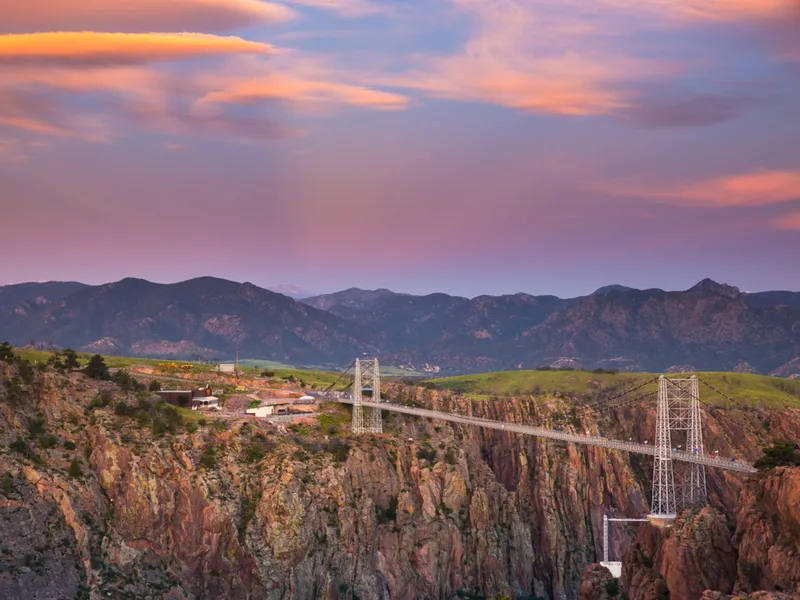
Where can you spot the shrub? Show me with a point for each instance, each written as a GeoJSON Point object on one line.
{"type": "Point", "coordinates": [102, 400]}
{"type": "Point", "coordinates": [123, 410]}
{"type": "Point", "coordinates": [74, 468]}
{"type": "Point", "coordinates": [267, 373]}
{"type": "Point", "coordinates": [209, 460]}
{"type": "Point", "coordinates": [154, 386]}
{"type": "Point", "coordinates": [339, 449]}
{"type": "Point", "coordinates": [49, 441]}
{"type": "Point", "coordinates": [254, 453]}
{"type": "Point", "coordinates": [612, 587]}
{"type": "Point", "coordinates": [172, 418]}
{"type": "Point", "coordinates": [191, 427]}
{"type": "Point", "coordinates": [159, 427]}
{"type": "Point", "coordinates": [426, 453]}
{"type": "Point", "coordinates": [26, 371]}
{"type": "Point", "coordinates": [36, 426]}
{"type": "Point", "coordinates": [5, 484]}
{"type": "Point", "coordinates": [69, 445]}
{"type": "Point", "coordinates": [451, 456]}
{"type": "Point", "coordinates": [127, 382]}
{"type": "Point", "coordinates": [18, 445]}
{"type": "Point", "coordinates": [6, 352]}
{"type": "Point", "coordinates": [389, 514]}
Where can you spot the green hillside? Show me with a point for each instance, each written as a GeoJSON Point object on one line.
{"type": "Point", "coordinates": [743, 389]}
{"type": "Point", "coordinates": [314, 378]}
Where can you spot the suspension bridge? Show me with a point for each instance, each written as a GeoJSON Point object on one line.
{"type": "Point", "coordinates": [679, 478]}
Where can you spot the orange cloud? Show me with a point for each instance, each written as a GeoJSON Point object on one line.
{"type": "Point", "coordinates": [137, 15]}
{"type": "Point", "coordinates": [789, 222]}
{"type": "Point", "coordinates": [752, 189]}
{"type": "Point", "coordinates": [95, 47]}
{"type": "Point", "coordinates": [299, 91]}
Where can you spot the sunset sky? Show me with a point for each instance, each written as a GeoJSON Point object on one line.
{"type": "Point", "coordinates": [464, 146]}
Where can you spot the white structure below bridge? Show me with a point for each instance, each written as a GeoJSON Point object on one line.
{"type": "Point", "coordinates": [614, 566]}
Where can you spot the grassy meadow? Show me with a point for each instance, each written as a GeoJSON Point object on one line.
{"type": "Point", "coordinates": [742, 389]}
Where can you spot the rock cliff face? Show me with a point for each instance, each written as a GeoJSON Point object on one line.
{"type": "Point", "coordinates": [102, 492]}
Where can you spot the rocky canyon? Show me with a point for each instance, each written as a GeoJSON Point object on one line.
{"type": "Point", "coordinates": [106, 493]}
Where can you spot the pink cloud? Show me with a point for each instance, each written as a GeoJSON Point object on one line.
{"type": "Point", "coordinates": [759, 188]}
{"type": "Point", "coordinates": [137, 15]}
{"type": "Point", "coordinates": [531, 57]}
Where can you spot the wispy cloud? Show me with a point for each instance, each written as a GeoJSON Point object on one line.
{"type": "Point", "coordinates": [121, 48]}
{"type": "Point", "coordinates": [138, 15]}
{"type": "Point", "coordinates": [758, 188]}
{"type": "Point", "coordinates": [347, 8]}
{"type": "Point", "coordinates": [292, 90]}
{"type": "Point", "coordinates": [717, 10]}
{"type": "Point", "coordinates": [787, 222]}
{"type": "Point", "coordinates": [692, 110]}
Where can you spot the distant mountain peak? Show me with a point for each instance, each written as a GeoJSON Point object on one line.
{"type": "Point", "coordinates": [614, 287]}
{"type": "Point", "coordinates": [293, 291]}
{"type": "Point", "coordinates": [709, 285]}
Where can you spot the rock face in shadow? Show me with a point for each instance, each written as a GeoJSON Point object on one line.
{"type": "Point", "coordinates": [597, 583]}
{"type": "Point", "coordinates": [38, 554]}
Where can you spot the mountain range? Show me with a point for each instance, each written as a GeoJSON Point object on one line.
{"type": "Point", "coordinates": [710, 326]}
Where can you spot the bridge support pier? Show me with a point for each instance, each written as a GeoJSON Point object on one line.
{"type": "Point", "coordinates": [678, 420]}
{"type": "Point", "coordinates": [367, 371]}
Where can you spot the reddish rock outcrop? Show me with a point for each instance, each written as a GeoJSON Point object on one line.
{"type": "Point", "coordinates": [768, 532]}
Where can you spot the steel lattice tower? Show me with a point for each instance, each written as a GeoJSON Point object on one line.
{"type": "Point", "coordinates": [363, 370]}
{"type": "Point", "coordinates": [678, 422]}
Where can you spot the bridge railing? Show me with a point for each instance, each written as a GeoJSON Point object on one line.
{"type": "Point", "coordinates": [601, 442]}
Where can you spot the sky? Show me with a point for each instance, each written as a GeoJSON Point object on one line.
{"type": "Point", "coordinates": [463, 146]}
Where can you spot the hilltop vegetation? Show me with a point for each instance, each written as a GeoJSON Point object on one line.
{"type": "Point", "coordinates": [742, 389]}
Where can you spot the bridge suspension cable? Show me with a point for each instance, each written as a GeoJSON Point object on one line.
{"type": "Point", "coordinates": [606, 401]}
{"type": "Point", "coordinates": [345, 372]}
{"type": "Point", "coordinates": [716, 390]}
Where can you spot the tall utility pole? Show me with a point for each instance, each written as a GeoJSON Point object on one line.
{"type": "Point", "coordinates": [367, 371]}
{"type": "Point", "coordinates": [678, 422]}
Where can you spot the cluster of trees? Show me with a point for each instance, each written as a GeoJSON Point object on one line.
{"type": "Point", "coordinates": [782, 453]}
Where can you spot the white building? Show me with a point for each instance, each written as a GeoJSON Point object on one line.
{"type": "Point", "coordinates": [205, 403]}
{"type": "Point", "coordinates": [227, 368]}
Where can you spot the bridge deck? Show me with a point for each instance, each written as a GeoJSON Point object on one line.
{"type": "Point", "coordinates": [635, 447]}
